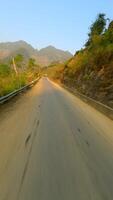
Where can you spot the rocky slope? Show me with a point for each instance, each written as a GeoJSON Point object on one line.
{"type": "Point", "coordinates": [90, 70]}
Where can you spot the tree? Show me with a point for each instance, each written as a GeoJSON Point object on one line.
{"type": "Point", "coordinates": [19, 60]}
{"type": "Point", "coordinates": [110, 27]}
{"type": "Point", "coordinates": [97, 28]}
{"type": "Point", "coordinates": [31, 63]}
{"type": "Point", "coordinates": [33, 68]}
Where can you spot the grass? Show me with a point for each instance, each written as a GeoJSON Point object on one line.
{"type": "Point", "coordinates": [11, 83]}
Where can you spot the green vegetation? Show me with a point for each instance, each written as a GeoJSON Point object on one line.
{"type": "Point", "coordinates": [17, 73]}
{"type": "Point", "coordinates": [91, 69]}
{"type": "Point", "coordinates": [54, 71]}
{"type": "Point", "coordinates": [97, 28]}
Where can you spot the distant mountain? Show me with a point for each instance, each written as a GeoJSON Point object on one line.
{"type": "Point", "coordinates": [50, 54]}
{"type": "Point", "coordinates": [9, 49]}
{"type": "Point", "coordinates": [44, 57]}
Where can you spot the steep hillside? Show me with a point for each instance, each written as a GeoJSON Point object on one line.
{"type": "Point", "coordinates": [44, 57]}
{"type": "Point", "coordinates": [90, 71]}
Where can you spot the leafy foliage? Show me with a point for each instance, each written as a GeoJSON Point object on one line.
{"type": "Point", "coordinates": [97, 28]}
{"type": "Point", "coordinates": [5, 70]}
{"type": "Point", "coordinates": [10, 81]}
{"type": "Point", "coordinates": [19, 60]}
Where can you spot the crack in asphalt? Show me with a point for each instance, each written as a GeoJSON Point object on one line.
{"type": "Point", "coordinates": [28, 158]}
{"type": "Point", "coordinates": [79, 130]}
{"type": "Point", "coordinates": [27, 139]}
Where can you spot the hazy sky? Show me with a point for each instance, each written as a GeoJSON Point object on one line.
{"type": "Point", "coordinates": [62, 23]}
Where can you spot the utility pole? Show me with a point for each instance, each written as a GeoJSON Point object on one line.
{"type": "Point", "coordinates": [14, 66]}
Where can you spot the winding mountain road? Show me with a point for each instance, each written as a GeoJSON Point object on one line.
{"type": "Point", "coordinates": [53, 146]}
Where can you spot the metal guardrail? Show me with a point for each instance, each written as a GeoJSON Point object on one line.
{"type": "Point", "coordinates": [16, 92]}
{"type": "Point", "coordinates": [106, 110]}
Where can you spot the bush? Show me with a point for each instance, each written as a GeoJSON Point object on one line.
{"type": "Point", "coordinates": [5, 70]}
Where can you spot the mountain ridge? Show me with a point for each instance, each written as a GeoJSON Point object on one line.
{"type": "Point", "coordinates": [44, 56]}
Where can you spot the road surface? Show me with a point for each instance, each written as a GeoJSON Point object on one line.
{"type": "Point", "coordinates": [53, 146]}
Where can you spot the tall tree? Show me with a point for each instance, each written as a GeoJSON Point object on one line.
{"type": "Point", "coordinates": [31, 63]}
{"type": "Point", "coordinates": [19, 60]}
{"type": "Point", "coordinates": [97, 28]}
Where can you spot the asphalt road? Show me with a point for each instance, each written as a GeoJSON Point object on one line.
{"type": "Point", "coordinates": [53, 146]}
